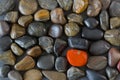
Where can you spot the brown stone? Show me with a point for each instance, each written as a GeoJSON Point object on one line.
{"type": "Point", "coordinates": [114, 22]}
{"type": "Point", "coordinates": [105, 3]}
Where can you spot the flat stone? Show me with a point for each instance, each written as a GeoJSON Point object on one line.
{"type": "Point", "coordinates": [4, 70]}
{"type": "Point", "coordinates": [97, 62]}
{"type": "Point", "coordinates": [65, 4]}
{"type": "Point", "coordinates": [11, 16]}
{"type": "Point", "coordinates": [27, 7]}
{"type": "Point", "coordinates": [105, 4]}
{"type": "Point", "coordinates": [7, 57]}
{"type": "Point", "coordinates": [94, 7]}
{"type": "Point", "coordinates": [25, 64]}
{"type": "Point", "coordinates": [34, 51]}
{"type": "Point", "coordinates": [54, 75]}
{"type": "Point", "coordinates": [46, 43]}
{"type": "Point", "coordinates": [30, 76]}
{"type": "Point", "coordinates": [114, 22]}
{"type": "Point", "coordinates": [14, 75]}
{"type": "Point", "coordinates": [25, 20]}
{"type": "Point", "coordinates": [46, 62]}
{"type": "Point", "coordinates": [26, 41]}
{"type": "Point", "coordinates": [113, 36]}
{"type": "Point", "coordinates": [42, 15]}
{"type": "Point", "coordinates": [57, 16]}
{"type": "Point", "coordinates": [74, 73]}
{"type": "Point", "coordinates": [17, 31]}
{"type": "Point", "coordinates": [55, 30]}
{"type": "Point", "coordinates": [104, 20]}
{"type": "Point", "coordinates": [80, 6]}
{"type": "Point", "coordinates": [71, 29]}
{"type": "Point", "coordinates": [37, 29]}
{"type": "Point", "coordinates": [48, 4]}
{"type": "Point", "coordinates": [16, 49]}
{"type": "Point", "coordinates": [99, 47]}
{"type": "Point", "coordinates": [4, 28]}
{"type": "Point", "coordinates": [79, 43]}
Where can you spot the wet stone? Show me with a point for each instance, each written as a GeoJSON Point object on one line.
{"type": "Point", "coordinates": [26, 41]}
{"type": "Point", "coordinates": [91, 23]}
{"type": "Point", "coordinates": [55, 30]}
{"type": "Point", "coordinates": [115, 22]}
{"type": "Point", "coordinates": [92, 34]}
{"type": "Point", "coordinates": [71, 29]}
{"type": "Point", "coordinates": [105, 3]}
{"type": "Point", "coordinates": [99, 47]}
{"type": "Point", "coordinates": [48, 4]}
{"type": "Point", "coordinates": [46, 62]}
{"type": "Point", "coordinates": [37, 29]}
{"type": "Point", "coordinates": [113, 36]}
{"type": "Point", "coordinates": [57, 16]}
{"type": "Point", "coordinates": [4, 70]}
{"type": "Point", "coordinates": [27, 7]}
{"type": "Point", "coordinates": [65, 4]}
{"type": "Point", "coordinates": [97, 62]}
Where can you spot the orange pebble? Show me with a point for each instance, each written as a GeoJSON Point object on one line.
{"type": "Point", "coordinates": [77, 57]}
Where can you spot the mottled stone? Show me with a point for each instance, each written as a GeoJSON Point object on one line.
{"type": "Point", "coordinates": [105, 3]}
{"type": "Point", "coordinates": [27, 7]}
{"type": "Point", "coordinates": [57, 16]}
{"type": "Point", "coordinates": [17, 31]}
{"type": "Point", "coordinates": [42, 15]}
{"type": "Point", "coordinates": [48, 4]}
{"type": "Point", "coordinates": [115, 22]}
{"type": "Point", "coordinates": [16, 49]}
{"type": "Point", "coordinates": [71, 29]}
{"type": "Point", "coordinates": [33, 74]}
{"type": "Point", "coordinates": [25, 64]}
{"type": "Point", "coordinates": [4, 70]}
{"type": "Point", "coordinates": [113, 36]}
{"type": "Point", "coordinates": [46, 43]}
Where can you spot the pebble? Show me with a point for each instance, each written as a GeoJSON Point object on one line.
{"type": "Point", "coordinates": [46, 43]}
{"type": "Point", "coordinates": [26, 41]}
{"type": "Point", "coordinates": [74, 73]}
{"type": "Point", "coordinates": [54, 75]}
{"type": "Point", "coordinates": [71, 29]}
{"type": "Point", "coordinates": [118, 77]}
{"type": "Point", "coordinates": [91, 23]}
{"type": "Point", "coordinates": [42, 15]}
{"type": "Point", "coordinates": [76, 57]}
{"type": "Point", "coordinates": [105, 4]}
{"type": "Point", "coordinates": [37, 29]}
{"type": "Point", "coordinates": [113, 57]}
{"type": "Point", "coordinates": [76, 42]}
{"type": "Point", "coordinates": [114, 8]}
{"type": "Point", "coordinates": [27, 7]}
{"type": "Point", "coordinates": [6, 5]}
{"type": "Point", "coordinates": [83, 78]}
{"type": "Point", "coordinates": [118, 66]}
{"type": "Point", "coordinates": [80, 6]}
{"type": "Point", "coordinates": [34, 51]}
{"type": "Point", "coordinates": [46, 62]}
{"type": "Point", "coordinates": [5, 43]}
{"type": "Point", "coordinates": [7, 57]}
{"type": "Point", "coordinates": [65, 4]}
{"type": "Point", "coordinates": [30, 76]}
{"type": "Point", "coordinates": [25, 20]}
{"type": "Point", "coordinates": [17, 31]}
{"type": "Point", "coordinates": [59, 46]}
{"type": "Point", "coordinates": [92, 75]}
{"type": "Point", "coordinates": [97, 62]}
{"type": "Point", "coordinates": [11, 16]}
{"type": "Point", "coordinates": [75, 18]}
{"type": "Point", "coordinates": [4, 28]}
{"type": "Point", "coordinates": [55, 30]}
{"type": "Point", "coordinates": [111, 73]}
{"type": "Point", "coordinates": [99, 47]}
{"type": "Point", "coordinates": [92, 34]}
{"type": "Point", "coordinates": [94, 8]}
{"type": "Point", "coordinates": [14, 75]}
{"type": "Point", "coordinates": [4, 70]}
{"type": "Point", "coordinates": [104, 20]}
{"type": "Point", "coordinates": [48, 4]}
{"type": "Point", "coordinates": [57, 16]}
{"type": "Point", "coordinates": [113, 36]}
{"type": "Point", "coordinates": [16, 49]}
{"type": "Point", "coordinates": [25, 64]}
{"type": "Point", "coordinates": [61, 64]}
{"type": "Point", "coordinates": [114, 22]}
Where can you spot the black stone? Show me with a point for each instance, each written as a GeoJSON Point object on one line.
{"type": "Point", "coordinates": [83, 78]}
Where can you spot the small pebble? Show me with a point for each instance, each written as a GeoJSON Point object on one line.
{"type": "Point", "coordinates": [105, 4]}
{"type": "Point", "coordinates": [114, 22]}
{"type": "Point", "coordinates": [4, 70]}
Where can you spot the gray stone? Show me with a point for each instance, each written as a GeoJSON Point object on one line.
{"type": "Point", "coordinates": [4, 70]}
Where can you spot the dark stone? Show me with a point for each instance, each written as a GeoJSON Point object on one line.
{"type": "Point", "coordinates": [4, 71]}
{"type": "Point", "coordinates": [83, 78]}
{"type": "Point", "coordinates": [118, 77]}
{"type": "Point", "coordinates": [105, 3]}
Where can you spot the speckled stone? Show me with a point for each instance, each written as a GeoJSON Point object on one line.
{"type": "Point", "coordinates": [4, 70]}
{"type": "Point", "coordinates": [105, 3]}
{"type": "Point", "coordinates": [114, 22]}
